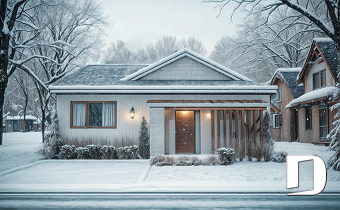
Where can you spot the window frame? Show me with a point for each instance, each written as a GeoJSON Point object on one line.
{"type": "Point", "coordinates": [320, 80]}
{"type": "Point", "coordinates": [87, 115]}
{"type": "Point", "coordinates": [278, 120]}
{"type": "Point", "coordinates": [323, 138]}
{"type": "Point", "coordinates": [309, 123]}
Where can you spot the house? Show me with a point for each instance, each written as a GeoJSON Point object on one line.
{"type": "Point", "coordinates": [192, 104]}
{"type": "Point", "coordinates": [284, 124]}
{"type": "Point", "coordinates": [18, 124]}
{"type": "Point", "coordinates": [318, 75]}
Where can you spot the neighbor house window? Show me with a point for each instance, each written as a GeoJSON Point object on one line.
{"type": "Point", "coordinates": [319, 79]}
{"type": "Point", "coordinates": [277, 120]}
{"type": "Point", "coordinates": [277, 96]}
{"type": "Point", "coordinates": [323, 123]}
{"type": "Point", "coordinates": [308, 118]}
{"type": "Point", "coordinates": [94, 114]}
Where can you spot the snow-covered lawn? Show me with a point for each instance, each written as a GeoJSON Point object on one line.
{"type": "Point", "coordinates": [247, 171]}
{"type": "Point", "coordinates": [21, 171]}
{"type": "Point", "coordinates": [19, 149]}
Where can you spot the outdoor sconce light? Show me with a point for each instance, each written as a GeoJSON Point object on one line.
{"type": "Point", "coordinates": [132, 113]}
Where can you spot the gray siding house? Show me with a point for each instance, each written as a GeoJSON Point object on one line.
{"type": "Point", "coordinates": [192, 104]}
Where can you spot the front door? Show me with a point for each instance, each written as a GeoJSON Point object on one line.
{"type": "Point", "coordinates": [185, 131]}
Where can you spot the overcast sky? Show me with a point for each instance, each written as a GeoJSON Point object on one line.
{"type": "Point", "coordinates": [139, 22]}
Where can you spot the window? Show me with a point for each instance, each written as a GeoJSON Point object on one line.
{"type": "Point", "coordinates": [323, 123]}
{"type": "Point", "coordinates": [308, 118]}
{"type": "Point", "coordinates": [93, 114]}
{"type": "Point", "coordinates": [277, 120]}
{"type": "Point", "coordinates": [277, 96]}
{"type": "Point", "coordinates": [319, 79]}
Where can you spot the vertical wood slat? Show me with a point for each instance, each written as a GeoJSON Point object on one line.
{"type": "Point", "coordinates": [230, 129]}
{"type": "Point", "coordinates": [218, 118]}
{"type": "Point", "coordinates": [224, 128]}
{"type": "Point", "coordinates": [261, 127]}
{"type": "Point", "coordinates": [237, 142]}
{"type": "Point", "coordinates": [212, 131]}
{"type": "Point", "coordinates": [249, 134]}
{"type": "Point", "coordinates": [243, 146]}
{"type": "Point", "coordinates": [255, 127]}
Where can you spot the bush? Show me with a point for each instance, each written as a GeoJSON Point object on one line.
{"type": "Point", "coordinates": [130, 152]}
{"type": "Point", "coordinates": [108, 152]}
{"type": "Point", "coordinates": [279, 157]}
{"type": "Point", "coordinates": [68, 152]}
{"type": "Point", "coordinates": [161, 160]}
{"type": "Point", "coordinates": [82, 153]}
{"type": "Point", "coordinates": [334, 161]}
{"type": "Point", "coordinates": [95, 151]}
{"type": "Point", "coordinates": [226, 155]}
{"type": "Point", "coordinates": [144, 140]}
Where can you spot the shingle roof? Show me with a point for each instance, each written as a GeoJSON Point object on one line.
{"type": "Point", "coordinates": [290, 77]}
{"type": "Point", "coordinates": [104, 75]}
{"type": "Point", "coordinates": [328, 49]}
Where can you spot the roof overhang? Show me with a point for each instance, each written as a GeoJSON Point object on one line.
{"type": "Point", "coordinates": [312, 97]}
{"type": "Point", "coordinates": [237, 89]}
{"type": "Point", "coordinates": [207, 103]}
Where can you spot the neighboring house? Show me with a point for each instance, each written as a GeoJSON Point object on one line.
{"type": "Point", "coordinates": [284, 121]}
{"type": "Point", "coordinates": [318, 75]}
{"type": "Point", "coordinates": [192, 104]}
{"type": "Point", "coordinates": [17, 124]}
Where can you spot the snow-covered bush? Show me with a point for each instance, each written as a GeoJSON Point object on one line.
{"type": "Point", "coordinates": [53, 142]}
{"type": "Point", "coordinates": [212, 161]}
{"type": "Point", "coordinates": [279, 157]}
{"type": "Point", "coordinates": [334, 161]}
{"type": "Point", "coordinates": [68, 152]}
{"type": "Point", "coordinates": [257, 151]}
{"type": "Point", "coordinates": [95, 151]}
{"type": "Point", "coordinates": [131, 152]}
{"type": "Point", "coordinates": [268, 143]}
{"type": "Point", "coordinates": [183, 161]}
{"type": "Point", "coordinates": [144, 140]}
{"type": "Point", "coordinates": [162, 160]}
{"type": "Point", "coordinates": [226, 155]}
{"type": "Point", "coordinates": [82, 153]}
{"type": "Point", "coordinates": [108, 152]}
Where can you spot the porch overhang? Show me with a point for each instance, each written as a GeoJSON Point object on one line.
{"type": "Point", "coordinates": [208, 104]}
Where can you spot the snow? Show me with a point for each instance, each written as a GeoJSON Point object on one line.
{"type": "Point", "coordinates": [28, 117]}
{"type": "Point", "coordinates": [21, 171]}
{"type": "Point", "coordinates": [316, 94]}
{"type": "Point", "coordinates": [283, 70]}
{"type": "Point", "coordinates": [19, 149]}
{"type": "Point", "coordinates": [5, 29]}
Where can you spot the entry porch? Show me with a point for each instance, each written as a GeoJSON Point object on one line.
{"type": "Point", "coordinates": [201, 127]}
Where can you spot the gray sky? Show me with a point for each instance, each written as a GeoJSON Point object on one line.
{"type": "Point", "coordinates": [139, 22]}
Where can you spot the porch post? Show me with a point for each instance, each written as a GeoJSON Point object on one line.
{"type": "Point", "coordinates": [157, 131]}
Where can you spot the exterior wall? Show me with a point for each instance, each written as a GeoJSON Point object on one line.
{"type": "Point", "coordinates": [309, 136]}
{"type": "Point", "coordinates": [157, 131]}
{"type": "Point", "coordinates": [170, 129]}
{"type": "Point", "coordinates": [205, 116]}
{"type": "Point", "coordinates": [283, 133]}
{"type": "Point", "coordinates": [185, 69]}
{"type": "Point", "coordinates": [316, 68]}
{"type": "Point", "coordinates": [127, 127]}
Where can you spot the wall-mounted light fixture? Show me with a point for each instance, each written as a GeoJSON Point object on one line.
{"type": "Point", "coordinates": [132, 113]}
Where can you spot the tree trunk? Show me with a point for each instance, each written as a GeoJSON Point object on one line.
{"type": "Point", "coordinates": [43, 124]}
{"type": "Point", "coordinates": [2, 99]}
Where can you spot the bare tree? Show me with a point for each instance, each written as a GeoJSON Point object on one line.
{"type": "Point", "coordinates": [119, 52]}
{"type": "Point", "coordinates": [194, 44]}
{"type": "Point", "coordinates": [167, 45]}
{"type": "Point", "coordinates": [152, 52]}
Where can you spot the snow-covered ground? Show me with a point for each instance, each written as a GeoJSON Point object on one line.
{"type": "Point", "coordinates": [20, 149]}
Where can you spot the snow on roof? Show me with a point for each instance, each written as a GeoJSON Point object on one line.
{"type": "Point", "coordinates": [28, 117]}
{"type": "Point", "coordinates": [186, 52]}
{"type": "Point", "coordinates": [290, 77]}
{"type": "Point", "coordinates": [313, 95]}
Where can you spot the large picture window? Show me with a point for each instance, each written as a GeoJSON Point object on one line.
{"type": "Point", "coordinates": [94, 114]}
{"type": "Point", "coordinates": [319, 79]}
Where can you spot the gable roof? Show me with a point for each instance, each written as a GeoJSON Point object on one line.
{"type": "Point", "coordinates": [289, 75]}
{"type": "Point", "coordinates": [185, 53]}
{"type": "Point", "coordinates": [329, 54]}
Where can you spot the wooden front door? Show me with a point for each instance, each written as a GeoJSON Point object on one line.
{"type": "Point", "coordinates": [185, 131]}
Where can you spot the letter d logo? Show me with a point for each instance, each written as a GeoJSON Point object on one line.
{"type": "Point", "coordinates": [320, 173]}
